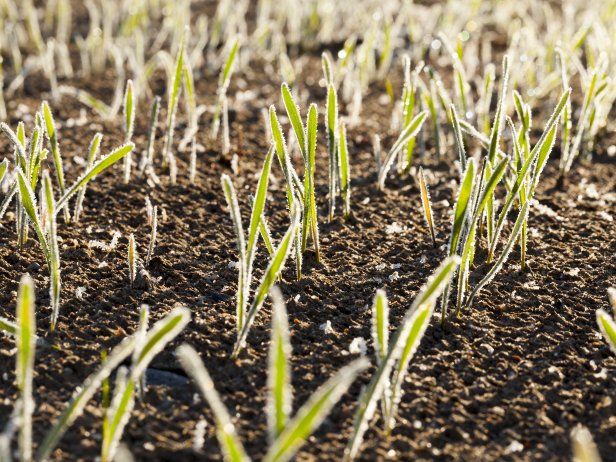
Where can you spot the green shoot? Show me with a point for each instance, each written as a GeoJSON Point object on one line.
{"type": "Point", "coordinates": [174, 90]}
{"type": "Point", "coordinates": [92, 154]}
{"type": "Point", "coordinates": [152, 235]}
{"type": "Point", "coordinates": [132, 259]}
{"type": "Point", "coordinates": [149, 152]}
{"type": "Point", "coordinates": [584, 447]}
{"type": "Point", "coordinates": [225, 430]}
{"type": "Point", "coordinates": [332, 146]}
{"type": "Point", "coordinates": [153, 342]}
{"type": "Point", "coordinates": [129, 123]}
{"type": "Point", "coordinates": [271, 274]}
{"type": "Point", "coordinates": [409, 132]}
{"type": "Point", "coordinates": [52, 136]}
{"type": "Point", "coordinates": [345, 171]}
{"type": "Point", "coordinates": [280, 396]}
{"type": "Point", "coordinates": [223, 84]}
{"type": "Point", "coordinates": [401, 347]}
{"type": "Point", "coordinates": [54, 253]}
{"type": "Point", "coordinates": [26, 348]}
{"type": "Point", "coordinates": [427, 207]}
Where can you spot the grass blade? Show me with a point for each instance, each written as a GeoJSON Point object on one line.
{"type": "Point", "coordinates": [345, 171]}
{"type": "Point", "coordinates": [225, 431]}
{"type": "Point", "coordinates": [427, 207]}
{"type": "Point", "coordinates": [608, 328]}
{"type": "Point", "coordinates": [271, 274]}
{"type": "Point", "coordinates": [82, 395]}
{"type": "Point", "coordinates": [294, 116]}
{"type": "Point", "coordinates": [26, 349]}
{"type": "Point", "coordinates": [312, 413]}
{"type": "Point", "coordinates": [279, 405]}
{"type": "Point", "coordinates": [409, 132]}
{"type": "Point", "coordinates": [97, 168]}
{"type": "Point", "coordinates": [242, 287]}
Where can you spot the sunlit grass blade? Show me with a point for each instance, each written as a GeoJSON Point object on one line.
{"type": "Point", "coordinates": [380, 325]}
{"type": "Point", "coordinates": [280, 397]}
{"type": "Point", "coordinates": [345, 170]}
{"type": "Point", "coordinates": [82, 395]}
{"type": "Point", "coordinates": [50, 126]}
{"type": "Point", "coordinates": [608, 328]}
{"type": "Point", "coordinates": [223, 84]}
{"type": "Point", "coordinates": [332, 147]}
{"type": "Point", "coordinates": [411, 326]}
{"type": "Point", "coordinates": [583, 445]}
{"type": "Point", "coordinates": [283, 156]}
{"type": "Point", "coordinates": [174, 90]}
{"type": "Point", "coordinates": [97, 168]}
{"type": "Point", "coordinates": [161, 333]}
{"type": "Point", "coordinates": [611, 295]}
{"type": "Point", "coordinates": [26, 348]}
{"type": "Point", "coordinates": [409, 132]}
{"type": "Point", "coordinates": [498, 264]}
{"type": "Point", "coordinates": [313, 412]}
{"type": "Point", "coordinates": [225, 431]}
{"type": "Point", "coordinates": [8, 327]}
{"type": "Point", "coordinates": [4, 165]}
{"type": "Point", "coordinates": [236, 217]}
{"type": "Point", "coordinates": [132, 259]}
{"type": "Point", "coordinates": [310, 223]}
{"type": "Point", "coordinates": [55, 282]}
{"type": "Point", "coordinates": [28, 201]}
{"type": "Point", "coordinates": [92, 154]}
{"type": "Point", "coordinates": [271, 274]}
{"type": "Point", "coordinates": [457, 131]}
{"type": "Point", "coordinates": [427, 206]}
{"type": "Point", "coordinates": [129, 124]}
{"type": "Point", "coordinates": [460, 217]}
{"type": "Point", "coordinates": [294, 116]}
{"type": "Point", "coordinates": [257, 211]}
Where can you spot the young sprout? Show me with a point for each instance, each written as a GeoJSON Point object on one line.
{"type": "Point", "coordinates": [152, 235]}
{"type": "Point", "coordinates": [606, 323]}
{"type": "Point", "coordinates": [345, 170]}
{"type": "Point", "coordinates": [92, 154]}
{"type": "Point", "coordinates": [52, 136]}
{"type": "Point", "coordinates": [410, 131]}
{"type": "Point", "coordinates": [584, 447]}
{"type": "Point", "coordinates": [129, 123]}
{"type": "Point", "coordinates": [149, 152]}
{"type": "Point", "coordinates": [400, 351]}
{"type": "Point", "coordinates": [25, 340]}
{"type": "Point", "coordinates": [223, 84]}
{"type": "Point", "coordinates": [132, 259]}
{"type": "Point", "coordinates": [427, 207]}
{"type": "Point", "coordinates": [148, 345]}
{"type": "Point", "coordinates": [193, 161]}
{"type": "Point", "coordinates": [332, 146]}
{"type": "Point", "coordinates": [287, 433]}
{"type": "Point", "coordinates": [174, 90]}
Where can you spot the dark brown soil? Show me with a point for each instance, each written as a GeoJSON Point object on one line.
{"type": "Point", "coordinates": [524, 365]}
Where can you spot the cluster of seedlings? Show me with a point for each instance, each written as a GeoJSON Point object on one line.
{"type": "Point", "coordinates": [452, 99]}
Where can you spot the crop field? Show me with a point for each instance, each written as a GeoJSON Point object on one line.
{"type": "Point", "coordinates": [307, 230]}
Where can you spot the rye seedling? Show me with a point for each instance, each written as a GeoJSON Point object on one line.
{"type": "Point", "coordinates": [401, 349]}
{"type": "Point", "coordinates": [149, 343]}
{"type": "Point", "coordinates": [27, 173]}
{"type": "Point", "coordinates": [409, 132]}
{"type": "Point", "coordinates": [129, 124]}
{"type": "Point", "coordinates": [223, 84]}
{"type": "Point", "coordinates": [247, 251]}
{"type": "Point", "coordinates": [606, 323]}
{"type": "Point", "coordinates": [287, 433]}
{"type": "Point", "coordinates": [427, 206]}
{"type": "Point", "coordinates": [24, 331]}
